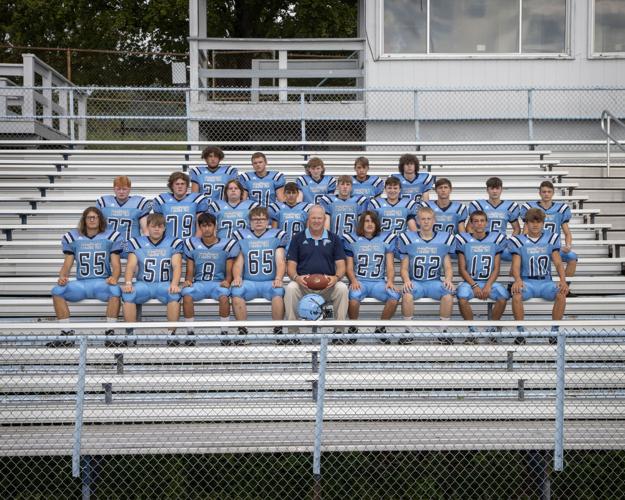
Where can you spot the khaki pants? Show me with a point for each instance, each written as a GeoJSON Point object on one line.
{"type": "Point", "coordinates": [338, 295]}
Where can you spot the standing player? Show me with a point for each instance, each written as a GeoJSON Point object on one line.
{"type": "Point", "coordinates": [157, 260]}
{"type": "Point", "coordinates": [209, 270]}
{"type": "Point", "coordinates": [532, 256]}
{"type": "Point", "coordinates": [479, 259]}
{"type": "Point", "coordinates": [557, 217]}
{"type": "Point", "coordinates": [414, 185]}
{"type": "Point", "coordinates": [343, 208]}
{"type": "Point", "coordinates": [95, 249]}
{"type": "Point", "coordinates": [315, 183]}
{"type": "Point", "coordinates": [450, 215]}
{"type": "Point", "coordinates": [123, 212]}
{"type": "Point", "coordinates": [425, 255]}
{"type": "Point", "coordinates": [211, 179]}
{"type": "Point", "coordinates": [262, 185]}
{"type": "Point", "coordinates": [290, 216]}
{"type": "Point", "coordinates": [370, 268]}
{"type": "Point", "coordinates": [179, 208]}
{"type": "Point", "coordinates": [233, 213]}
{"type": "Point", "coordinates": [396, 214]}
{"type": "Point", "coordinates": [259, 268]}
{"type": "Point", "coordinates": [363, 183]}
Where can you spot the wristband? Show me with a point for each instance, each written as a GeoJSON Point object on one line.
{"type": "Point", "coordinates": [474, 285]}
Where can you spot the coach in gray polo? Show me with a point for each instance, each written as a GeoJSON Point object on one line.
{"type": "Point", "coordinates": [316, 251]}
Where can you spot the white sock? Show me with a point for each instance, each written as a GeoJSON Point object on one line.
{"type": "Point", "coordinates": [224, 328]}
{"type": "Point", "coordinates": [189, 320]}
{"type": "Point", "coordinates": [224, 318]}
{"type": "Point", "coordinates": [111, 320]}
{"type": "Point", "coordinates": [66, 320]}
{"type": "Point", "coordinates": [407, 318]}
{"type": "Point", "coordinates": [444, 319]}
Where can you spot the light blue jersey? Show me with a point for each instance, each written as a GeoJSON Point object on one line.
{"type": "Point", "coordinates": [394, 217]}
{"type": "Point", "coordinates": [92, 255]}
{"type": "Point", "coordinates": [313, 190]}
{"type": "Point", "coordinates": [211, 182]}
{"type": "Point", "coordinates": [369, 254]}
{"type": "Point", "coordinates": [210, 260]}
{"type": "Point", "coordinates": [557, 214]}
{"type": "Point", "coordinates": [371, 187]}
{"type": "Point", "coordinates": [448, 218]}
{"type": "Point", "coordinates": [231, 218]}
{"type": "Point", "coordinates": [415, 188]}
{"type": "Point", "coordinates": [479, 254]}
{"type": "Point", "coordinates": [124, 217]}
{"type": "Point", "coordinates": [498, 216]}
{"type": "Point", "coordinates": [262, 189]}
{"type": "Point", "coordinates": [290, 219]}
{"type": "Point", "coordinates": [180, 215]}
{"type": "Point", "coordinates": [154, 259]}
{"type": "Point", "coordinates": [343, 213]}
{"type": "Point", "coordinates": [426, 257]}
{"type": "Point", "coordinates": [535, 253]}
{"type": "Point", "coordinates": [259, 252]}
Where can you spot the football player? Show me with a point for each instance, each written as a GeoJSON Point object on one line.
{"type": "Point", "coordinates": [290, 216]}
{"type": "Point", "coordinates": [415, 185]}
{"type": "Point", "coordinates": [363, 183]}
{"type": "Point", "coordinates": [343, 208]}
{"type": "Point", "coordinates": [262, 185]}
{"type": "Point", "coordinates": [315, 183]}
{"type": "Point", "coordinates": [211, 179]}
{"type": "Point", "coordinates": [450, 215]}
{"type": "Point", "coordinates": [231, 213]}
{"type": "Point", "coordinates": [396, 214]}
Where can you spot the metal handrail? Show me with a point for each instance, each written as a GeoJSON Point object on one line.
{"type": "Point", "coordinates": [606, 120]}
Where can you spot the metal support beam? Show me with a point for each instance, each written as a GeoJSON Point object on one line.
{"type": "Point", "coordinates": [80, 400]}
{"type": "Point", "coordinates": [558, 458]}
{"type": "Point", "coordinates": [321, 387]}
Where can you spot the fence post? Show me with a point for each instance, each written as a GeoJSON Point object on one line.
{"type": "Point", "coordinates": [80, 400]}
{"type": "Point", "coordinates": [415, 110]}
{"type": "Point", "coordinates": [302, 115]}
{"type": "Point", "coordinates": [72, 120]}
{"type": "Point", "coordinates": [558, 459]}
{"type": "Point", "coordinates": [323, 356]}
{"type": "Point", "coordinates": [530, 114]}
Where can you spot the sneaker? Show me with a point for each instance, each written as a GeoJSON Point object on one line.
{"type": "Point", "coordinates": [493, 329]}
{"type": "Point", "coordinates": [519, 341]}
{"type": "Point", "coordinates": [173, 342]}
{"type": "Point", "coordinates": [382, 329]}
{"type": "Point", "coordinates": [241, 331]}
{"type": "Point", "coordinates": [190, 342]}
{"type": "Point", "coordinates": [553, 340]}
{"type": "Point", "coordinates": [352, 329]}
{"type": "Point", "coordinates": [63, 343]}
{"type": "Point", "coordinates": [470, 340]}
{"type": "Point", "coordinates": [114, 343]}
{"type": "Point", "coordinates": [445, 340]}
{"type": "Point", "coordinates": [278, 331]}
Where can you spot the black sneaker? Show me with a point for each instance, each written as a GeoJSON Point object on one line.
{"type": "Point", "coordinates": [382, 329]}
{"type": "Point", "coordinates": [241, 331]}
{"type": "Point", "coordinates": [190, 342]}
{"type": "Point", "coordinates": [446, 340]}
{"type": "Point", "coordinates": [352, 329]}
{"type": "Point", "coordinates": [114, 343]}
{"type": "Point", "coordinates": [470, 340]}
{"type": "Point", "coordinates": [63, 343]}
{"type": "Point", "coordinates": [519, 341]}
{"type": "Point", "coordinates": [173, 342]}
{"type": "Point", "coordinates": [553, 340]}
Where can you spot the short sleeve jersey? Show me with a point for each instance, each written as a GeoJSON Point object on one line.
{"type": "Point", "coordinates": [154, 263]}
{"type": "Point", "coordinates": [415, 188]}
{"type": "Point", "coordinates": [448, 218]}
{"type": "Point", "coordinates": [231, 218]}
{"type": "Point", "coordinates": [259, 252]}
{"type": "Point", "coordinates": [212, 183]}
{"type": "Point", "coordinates": [124, 217]}
{"type": "Point", "coordinates": [498, 216]}
{"type": "Point", "coordinates": [426, 256]}
{"type": "Point", "coordinates": [180, 214]}
{"type": "Point", "coordinates": [262, 189]}
{"type": "Point", "coordinates": [291, 219]}
{"type": "Point", "coordinates": [535, 253]}
{"type": "Point", "coordinates": [393, 217]}
{"type": "Point", "coordinates": [313, 190]}
{"type": "Point", "coordinates": [92, 255]}
{"type": "Point", "coordinates": [343, 213]}
{"type": "Point", "coordinates": [480, 254]}
{"type": "Point", "coordinates": [210, 260]}
{"type": "Point", "coordinates": [369, 254]}
{"type": "Point", "coordinates": [371, 187]}
{"type": "Point", "coordinates": [557, 214]}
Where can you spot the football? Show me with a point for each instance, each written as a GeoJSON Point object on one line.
{"type": "Point", "coordinates": [317, 281]}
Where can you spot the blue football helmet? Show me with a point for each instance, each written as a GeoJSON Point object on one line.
{"type": "Point", "coordinates": [310, 307]}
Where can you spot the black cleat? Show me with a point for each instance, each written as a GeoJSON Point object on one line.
{"type": "Point", "coordinates": [520, 341]}
{"type": "Point", "coordinates": [242, 331]}
{"type": "Point", "coordinates": [114, 343]}
{"type": "Point", "coordinates": [173, 342]}
{"type": "Point", "coordinates": [63, 343]}
{"type": "Point", "coordinates": [446, 340]}
{"type": "Point", "coordinates": [190, 342]}
{"type": "Point", "coordinates": [382, 329]}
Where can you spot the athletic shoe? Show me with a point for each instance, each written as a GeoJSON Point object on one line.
{"type": "Point", "coordinates": [470, 340]}
{"type": "Point", "coordinates": [63, 343]}
{"type": "Point", "coordinates": [190, 342]}
{"type": "Point", "coordinates": [241, 331]}
{"type": "Point", "coordinates": [519, 341]}
{"type": "Point", "coordinates": [114, 343]}
{"type": "Point", "coordinates": [382, 329]}
{"type": "Point", "coordinates": [173, 342]}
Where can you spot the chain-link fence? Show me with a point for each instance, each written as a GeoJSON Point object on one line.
{"type": "Point", "coordinates": [170, 114]}
{"type": "Point", "coordinates": [387, 415]}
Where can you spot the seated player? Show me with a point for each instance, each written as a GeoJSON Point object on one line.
{"type": "Point", "coordinates": [157, 261]}
{"type": "Point", "coordinates": [414, 185]}
{"type": "Point", "coordinates": [262, 186]}
{"type": "Point", "coordinates": [259, 267]}
{"type": "Point", "coordinates": [532, 256]}
{"type": "Point", "coordinates": [479, 259]}
{"type": "Point", "coordinates": [290, 216]}
{"type": "Point", "coordinates": [211, 179]}
{"type": "Point", "coordinates": [363, 183]}
{"type": "Point", "coordinates": [557, 217]}
{"type": "Point", "coordinates": [231, 214]}
{"type": "Point", "coordinates": [343, 208]}
{"type": "Point", "coordinates": [370, 268]}
{"type": "Point", "coordinates": [425, 254]}
{"type": "Point", "coordinates": [396, 214]}
{"type": "Point", "coordinates": [125, 213]}
{"type": "Point", "coordinates": [180, 208]}
{"type": "Point", "coordinates": [500, 212]}
{"type": "Point", "coordinates": [315, 183]}
{"type": "Point", "coordinates": [95, 249]}
{"type": "Point", "coordinates": [209, 270]}
{"type": "Point", "coordinates": [450, 215]}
